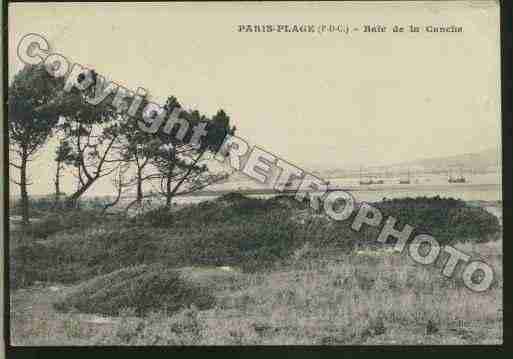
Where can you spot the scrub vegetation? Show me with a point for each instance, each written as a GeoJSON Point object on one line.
{"type": "Point", "coordinates": [239, 270]}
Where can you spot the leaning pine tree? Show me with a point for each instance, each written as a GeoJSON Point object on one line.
{"type": "Point", "coordinates": [93, 134]}
{"type": "Point", "coordinates": [100, 139]}
{"type": "Point", "coordinates": [29, 128]}
{"type": "Point", "coordinates": [183, 167]}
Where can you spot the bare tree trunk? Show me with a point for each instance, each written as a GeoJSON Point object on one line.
{"type": "Point", "coordinates": [169, 194]}
{"type": "Point", "coordinates": [139, 191]}
{"type": "Point", "coordinates": [175, 190]}
{"type": "Point", "coordinates": [83, 185]}
{"type": "Point", "coordinates": [115, 202]}
{"type": "Point", "coordinates": [169, 180]}
{"type": "Point", "coordinates": [72, 201]}
{"type": "Point", "coordinates": [23, 189]}
{"type": "Point", "coordinates": [57, 184]}
{"type": "Point", "coordinates": [139, 196]}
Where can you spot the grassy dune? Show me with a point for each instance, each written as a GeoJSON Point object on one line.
{"type": "Point", "coordinates": [243, 271]}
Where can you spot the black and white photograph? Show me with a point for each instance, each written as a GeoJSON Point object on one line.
{"type": "Point", "coordinates": [253, 174]}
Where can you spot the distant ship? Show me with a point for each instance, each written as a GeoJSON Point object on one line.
{"type": "Point", "coordinates": [288, 187]}
{"type": "Point", "coordinates": [459, 179]}
{"type": "Point", "coordinates": [332, 187]}
{"type": "Point", "coordinates": [406, 181]}
{"type": "Point", "coordinates": [365, 182]}
{"type": "Point", "coordinates": [369, 181]}
{"type": "Point", "coordinates": [362, 181]}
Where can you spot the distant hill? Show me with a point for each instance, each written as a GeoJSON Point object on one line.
{"type": "Point", "coordinates": [484, 161]}
{"type": "Point", "coordinates": [487, 160]}
{"type": "Point", "coordinates": [478, 162]}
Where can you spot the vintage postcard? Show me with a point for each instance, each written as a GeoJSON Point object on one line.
{"type": "Point", "coordinates": [254, 173]}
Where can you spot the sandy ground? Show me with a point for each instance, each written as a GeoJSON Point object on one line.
{"type": "Point", "coordinates": [34, 316]}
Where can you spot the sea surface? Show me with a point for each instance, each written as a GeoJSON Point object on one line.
{"type": "Point", "coordinates": [482, 187]}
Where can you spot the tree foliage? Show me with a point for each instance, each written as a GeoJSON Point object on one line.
{"type": "Point", "coordinates": [97, 140]}
{"type": "Point", "coordinates": [29, 128]}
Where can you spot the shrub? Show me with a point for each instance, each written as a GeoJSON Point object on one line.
{"type": "Point", "coordinates": [42, 205]}
{"type": "Point", "coordinates": [143, 288]}
{"type": "Point", "coordinates": [447, 219]}
{"type": "Point", "coordinates": [288, 201]}
{"type": "Point", "coordinates": [70, 257]}
{"type": "Point", "coordinates": [37, 206]}
{"type": "Point", "coordinates": [31, 263]}
{"type": "Point", "coordinates": [231, 197]}
{"type": "Point", "coordinates": [228, 209]}
{"type": "Point", "coordinates": [252, 244]}
{"type": "Point", "coordinates": [253, 234]}
{"type": "Point", "coordinates": [61, 221]}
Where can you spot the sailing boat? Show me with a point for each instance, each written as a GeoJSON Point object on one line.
{"type": "Point", "coordinates": [289, 187]}
{"type": "Point", "coordinates": [405, 181]}
{"type": "Point", "coordinates": [459, 179]}
{"type": "Point", "coordinates": [378, 181]}
{"type": "Point", "coordinates": [365, 182]}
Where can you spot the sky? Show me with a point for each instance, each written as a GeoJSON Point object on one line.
{"type": "Point", "coordinates": [317, 100]}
